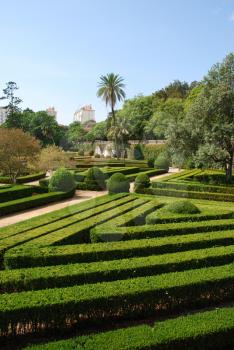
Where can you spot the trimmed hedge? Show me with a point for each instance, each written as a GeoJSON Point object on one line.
{"type": "Point", "coordinates": [106, 233]}
{"type": "Point", "coordinates": [189, 194]}
{"type": "Point", "coordinates": [189, 186]}
{"type": "Point", "coordinates": [80, 233]}
{"type": "Point", "coordinates": [74, 274]}
{"type": "Point", "coordinates": [164, 216]}
{"type": "Point", "coordinates": [50, 308]}
{"type": "Point", "coordinates": [23, 179]}
{"type": "Point", "coordinates": [151, 172]}
{"type": "Point", "coordinates": [209, 330]}
{"type": "Point", "coordinates": [42, 256]}
{"type": "Point", "coordinates": [49, 218]}
{"type": "Point", "coordinates": [32, 202]}
{"type": "Point", "coordinates": [15, 192]}
{"type": "Point", "coordinates": [65, 229]}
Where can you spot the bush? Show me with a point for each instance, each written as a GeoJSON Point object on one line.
{"type": "Point", "coordinates": [137, 153]}
{"type": "Point", "coordinates": [81, 152]}
{"type": "Point", "coordinates": [150, 162]}
{"type": "Point", "coordinates": [62, 181]}
{"type": "Point", "coordinates": [44, 183]}
{"type": "Point", "coordinates": [182, 207]}
{"type": "Point", "coordinates": [142, 181]}
{"type": "Point", "coordinates": [118, 183]}
{"type": "Point", "coordinates": [97, 155]}
{"type": "Point", "coordinates": [162, 163]}
{"type": "Point", "coordinates": [95, 179]}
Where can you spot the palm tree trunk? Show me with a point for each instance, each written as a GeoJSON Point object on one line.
{"type": "Point", "coordinates": [115, 137]}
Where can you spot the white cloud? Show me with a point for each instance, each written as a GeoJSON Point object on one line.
{"type": "Point", "coordinates": [232, 17]}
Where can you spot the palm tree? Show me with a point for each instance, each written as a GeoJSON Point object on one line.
{"type": "Point", "coordinates": [111, 90]}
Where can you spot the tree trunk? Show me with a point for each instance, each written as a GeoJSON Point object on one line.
{"type": "Point", "coordinates": [228, 169]}
{"type": "Point", "coordinates": [115, 137]}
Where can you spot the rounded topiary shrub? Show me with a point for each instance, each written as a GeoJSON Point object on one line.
{"type": "Point", "coordinates": [182, 207]}
{"type": "Point", "coordinates": [62, 181]}
{"type": "Point", "coordinates": [162, 163]}
{"type": "Point", "coordinates": [95, 179]}
{"type": "Point", "coordinates": [142, 181]}
{"type": "Point", "coordinates": [118, 183]}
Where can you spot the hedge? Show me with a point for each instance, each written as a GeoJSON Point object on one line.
{"type": "Point", "coordinates": [57, 215]}
{"type": "Point", "coordinates": [210, 330]}
{"type": "Point", "coordinates": [162, 294]}
{"type": "Point", "coordinates": [65, 229]}
{"type": "Point", "coordinates": [80, 233]}
{"type": "Point", "coordinates": [15, 192]}
{"type": "Point", "coordinates": [23, 179]}
{"type": "Point", "coordinates": [135, 217]}
{"type": "Point", "coordinates": [164, 216]}
{"type": "Point", "coordinates": [151, 172]}
{"type": "Point", "coordinates": [189, 194]}
{"type": "Point", "coordinates": [43, 256]}
{"type": "Point", "coordinates": [193, 187]}
{"type": "Point", "coordinates": [32, 202]}
{"type": "Point", "coordinates": [74, 274]}
{"type": "Point", "coordinates": [107, 233]}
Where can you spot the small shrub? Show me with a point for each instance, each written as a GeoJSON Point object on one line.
{"type": "Point", "coordinates": [162, 163]}
{"type": "Point", "coordinates": [95, 179]}
{"type": "Point", "coordinates": [182, 207]}
{"type": "Point", "coordinates": [118, 183]}
{"type": "Point", "coordinates": [81, 152]}
{"type": "Point", "coordinates": [62, 181]}
{"type": "Point", "coordinates": [142, 181]}
{"type": "Point", "coordinates": [150, 162]}
{"type": "Point", "coordinates": [97, 155]}
{"type": "Point", "coordinates": [138, 153]}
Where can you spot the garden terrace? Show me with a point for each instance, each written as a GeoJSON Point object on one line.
{"type": "Point", "coordinates": [54, 278]}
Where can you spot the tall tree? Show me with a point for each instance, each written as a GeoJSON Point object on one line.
{"type": "Point", "coordinates": [208, 129]}
{"type": "Point", "coordinates": [13, 104]}
{"type": "Point", "coordinates": [111, 90]}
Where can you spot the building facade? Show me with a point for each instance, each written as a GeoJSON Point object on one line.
{"type": "Point", "coordinates": [84, 114]}
{"type": "Point", "coordinates": [3, 114]}
{"type": "Point", "coordinates": [52, 112]}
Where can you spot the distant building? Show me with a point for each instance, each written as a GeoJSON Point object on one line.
{"type": "Point", "coordinates": [85, 114]}
{"type": "Point", "coordinates": [52, 112]}
{"type": "Point", "coordinates": [3, 114]}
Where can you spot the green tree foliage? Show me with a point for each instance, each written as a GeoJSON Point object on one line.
{"type": "Point", "coordinates": [17, 150]}
{"type": "Point", "coordinates": [138, 111]}
{"type": "Point", "coordinates": [76, 134]}
{"type": "Point", "coordinates": [98, 132]}
{"type": "Point", "coordinates": [111, 90]}
{"type": "Point", "coordinates": [207, 132]}
{"type": "Point", "coordinates": [12, 120]}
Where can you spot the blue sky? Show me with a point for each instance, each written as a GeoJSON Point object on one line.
{"type": "Point", "coordinates": [56, 50]}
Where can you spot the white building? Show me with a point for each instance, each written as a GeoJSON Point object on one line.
{"type": "Point", "coordinates": [52, 112]}
{"type": "Point", "coordinates": [84, 114]}
{"type": "Point", "coordinates": [3, 114]}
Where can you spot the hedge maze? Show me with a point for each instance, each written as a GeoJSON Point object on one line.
{"type": "Point", "coordinates": [120, 272]}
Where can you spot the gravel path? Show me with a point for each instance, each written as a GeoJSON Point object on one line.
{"type": "Point", "coordinates": [80, 196]}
